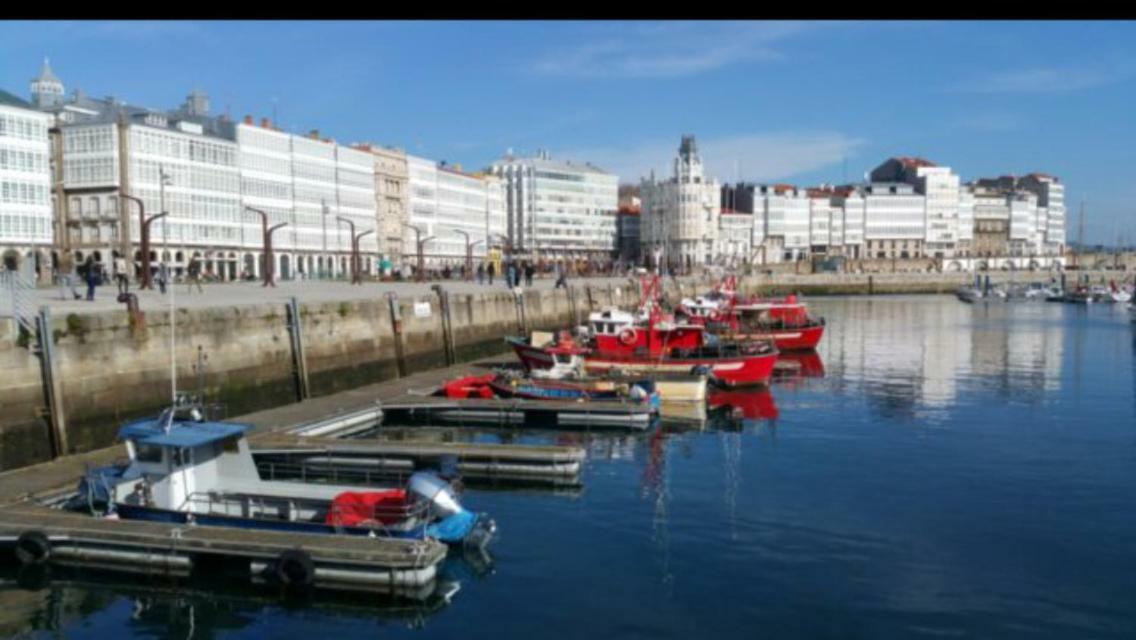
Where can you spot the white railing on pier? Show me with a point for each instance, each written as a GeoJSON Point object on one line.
{"type": "Point", "coordinates": [17, 295]}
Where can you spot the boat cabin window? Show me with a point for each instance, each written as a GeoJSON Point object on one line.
{"type": "Point", "coordinates": [230, 445]}
{"type": "Point", "coordinates": [563, 358]}
{"type": "Point", "coordinates": [147, 452]}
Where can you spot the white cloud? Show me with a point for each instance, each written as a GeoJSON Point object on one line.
{"type": "Point", "coordinates": [1048, 79]}
{"type": "Point", "coordinates": [761, 157]}
{"type": "Point", "coordinates": [669, 49]}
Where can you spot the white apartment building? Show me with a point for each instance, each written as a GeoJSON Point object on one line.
{"type": "Point", "coordinates": [965, 245]}
{"type": "Point", "coordinates": [788, 223]}
{"type": "Point", "coordinates": [940, 189]}
{"type": "Point", "coordinates": [735, 238]}
{"type": "Point", "coordinates": [26, 231]}
{"type": "Point", "coordinates": [894, 220]}
{"type": "Point", "coordinates": [822, 222]}
{"type": "Point", "coordinates": [1023, 224]}
{"type": "Point", "coordinates": [559, 209]}
{"type": "Point", "coordinates": [446, 205]}
{"type": "Point", "coordinates": [207, 172]}
{"type": "Point", "coordinates": [312, 185]}
{"type": "Point", "coordinates": [1051, 205]}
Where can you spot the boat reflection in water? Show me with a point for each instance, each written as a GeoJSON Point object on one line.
{"type": "Point", "coordinates": [796, 366]}
{"type": "Point", "coordinates": [35, 599]}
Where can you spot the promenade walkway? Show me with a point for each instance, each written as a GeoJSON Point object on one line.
{"type": "Point", "coordinates": [312, 291]}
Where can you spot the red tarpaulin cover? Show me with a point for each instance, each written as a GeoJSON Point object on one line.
{"type": "Point", "coordinates": [350, 508]}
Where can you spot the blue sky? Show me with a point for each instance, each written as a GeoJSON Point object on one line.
{"type": "Point", "coordinates": [803, 102]}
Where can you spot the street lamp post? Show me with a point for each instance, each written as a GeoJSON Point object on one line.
{"type": "Point", "coordinates": [323, 259]}
{"type": "Point", "coordinates": [144, 233]}
{"type": "Point", "coordinates": [356, 275]}
{"type": "Point", "coordinates": [420, 243]}
{"type": "Point", "coordinates": [269, 267]}
{"type": "Point", "coordinates": [468, 254]}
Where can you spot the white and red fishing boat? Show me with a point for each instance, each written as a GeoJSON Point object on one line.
{"type": "Point", "coordinates": [786, 321]}
{"type": "Point", "coordinates": [622, 342]}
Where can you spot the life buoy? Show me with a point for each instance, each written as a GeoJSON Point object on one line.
{"type": "Point", "coordinates": [628, 336]}
{"type": "Point", "coordinates": [33, 547]}
{"type": "Point", "coordinates": [294, 568]}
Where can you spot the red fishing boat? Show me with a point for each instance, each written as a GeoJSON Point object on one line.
{"type": "Point", "coordinates": [786, 321]}
{"type": "Point", "coordinates": [626, 343]}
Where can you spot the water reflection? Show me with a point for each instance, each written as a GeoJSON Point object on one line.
{"type": "Point", "coordinates": [911, 356]}
{"type": "Point", "coordinates": [656, 488]}
{"type": "Point", "coordinates": [205, 607]}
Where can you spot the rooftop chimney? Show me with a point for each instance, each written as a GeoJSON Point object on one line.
{"type": "Point", "coordinates": [265, 123]}
{"type": "Point", "coordinates": [314, 134]}
{"type": "Point", "coordinates": [248, 119]}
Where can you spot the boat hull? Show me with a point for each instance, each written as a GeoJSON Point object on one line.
{"type": "Point", "coordinates": [796, 339]}
{"type": "Point", "coordinates": [731, 372]}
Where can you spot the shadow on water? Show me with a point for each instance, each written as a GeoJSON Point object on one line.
{"type": "Point", "coordinates": [37, 598]}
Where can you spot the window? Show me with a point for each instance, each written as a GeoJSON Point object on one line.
{"type": "Point", "coordinates": [147, 452]}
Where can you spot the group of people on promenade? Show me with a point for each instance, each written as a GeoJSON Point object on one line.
{"type": "Point", "coordinates": [94, 273]}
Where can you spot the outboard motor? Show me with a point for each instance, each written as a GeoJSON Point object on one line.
{"type": "Point", "coordinates": [454, 523]}
{"type": "Point", "coordinates": [437, 493]}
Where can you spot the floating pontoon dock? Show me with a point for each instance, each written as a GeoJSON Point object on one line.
{"type": "Point", "coordinates": [43, 535]}
{"type": "Point", "coordinates": [369, 461]}
{"type": "Point", "coordinates": [517, 412]}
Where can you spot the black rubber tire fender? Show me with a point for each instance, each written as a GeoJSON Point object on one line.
{"type": "Point", "coordinates": [33, 547]}
{"type": "Point", "coordinates": [295, 568]}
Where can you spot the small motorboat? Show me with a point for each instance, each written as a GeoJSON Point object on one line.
{"type": "Point", "coordinates": [184, 469]}
{"type": "Point", "coordinates": [970, 295]}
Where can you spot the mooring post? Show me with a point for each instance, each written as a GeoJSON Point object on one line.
{"type": "Point", "coordinates": [396, 327]}
{"type": "Point", "coordinates": [52, 390]}
{"type": "Point", "coordinates": [571, 293]}
{"type": "Point", "coordinates": [591, 303]}
{"type": "Point", "coordinates": [447, 333]}
{"type": "Point", "coordinates": [299, 360]}
{"type": "Point", "coordinates": [519, 300]}
{"type": "Point", "coordinates": [871, 285]}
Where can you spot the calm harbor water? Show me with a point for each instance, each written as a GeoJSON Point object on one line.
{"type": "Point", "coordinates": [957, 471]}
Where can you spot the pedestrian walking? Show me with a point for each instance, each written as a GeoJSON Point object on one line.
{"type": "Point", "coordinates": [481, 273]}
{"type": "Point", "coordinates": [120, 275]}
{"type": "Point", "coordinates": [90, 272]}
{"type": "Point", "coordinates": [510, 274]}
{"type": "Point", "coordinates": [163, 277]}
{"type": "Point", "coordinates": [529, 271]}
{"type": "Point", "coordinates": [194, 273]}
{"type": "Point", "coordinates": [64, 274]}
{"type": "Point", "coordinates": [561, 278]}
{"type": "Point", "coordinates": [491, 270]}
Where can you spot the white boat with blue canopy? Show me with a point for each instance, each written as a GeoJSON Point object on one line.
{"type": "Point", "coordinates": [187, 470]}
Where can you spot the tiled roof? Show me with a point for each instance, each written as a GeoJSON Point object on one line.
{"type": "Point", "coordinates": [915, 162]}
